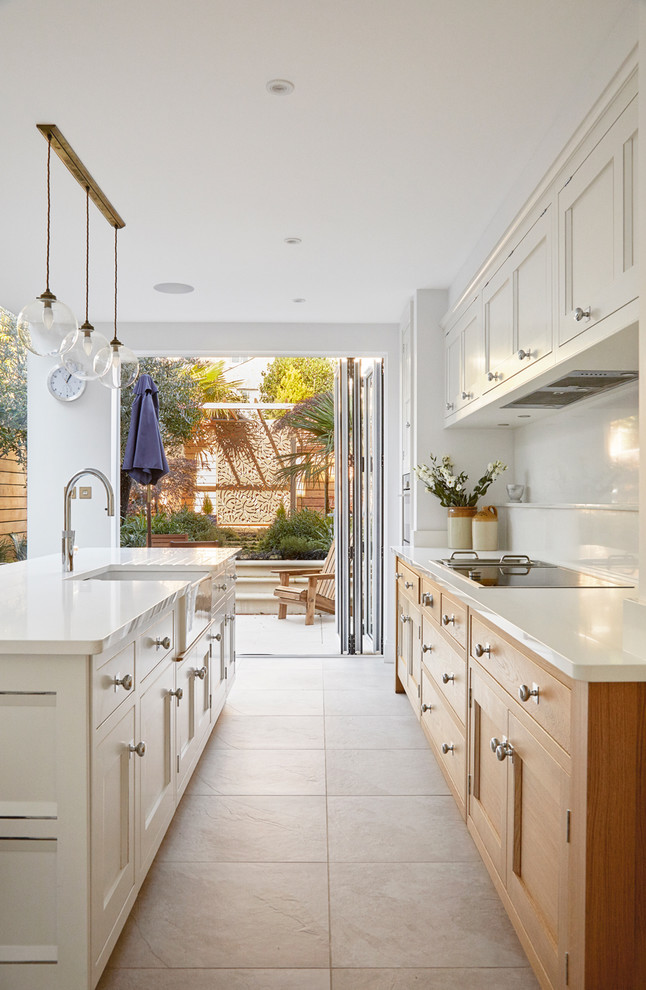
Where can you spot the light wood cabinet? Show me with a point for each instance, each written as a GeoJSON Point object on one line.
{"type": "Point", "coordinates": [409, 625]}
{"type": "Point", "coordinates": [597, 231]}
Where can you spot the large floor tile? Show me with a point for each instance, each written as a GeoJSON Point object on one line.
{"type": "Point", "coordinates": [253, 771]}
{"type": "Point", "coordinates": [216, 979]}
{"type": "Point", "coordinates": [432, 979]}
{"type": "Point", "coordinates": [374, 732]}
{"type": "Point", "coordinates": [285, 675]}
{"type": "Point", "coordinates": [372, 679]}
{"type": "Point", "coordinates": [409, 914]}
{"type": "Point", "coordinates": [247, 829]}
{"type": "Point", "coordinates": [235, 731]}
{"type": "Point", "coordinates": [397, 830]}
{"type": "Point", "coordinates": [254, 701]}
{"type": "Point", "coordinates": [228, 915]}
{"type": "Point", "coordinates": [366, 701]}
{"type": "Point", "coordinates": [384, 771]}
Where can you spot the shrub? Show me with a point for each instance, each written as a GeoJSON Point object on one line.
{"type": "Point", "coordinates": [198, 526]}
{"type": "Point", "coordinates": [303, 534]}
{"type": "Point", "coordinates": [207, 506]}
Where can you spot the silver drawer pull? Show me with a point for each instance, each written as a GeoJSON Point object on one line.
{"type": "Point", "coordinates": [524, 354]}
{"type": "Point", "coordinates": [467, 395]}
{"type": "Point", "coordinates": [165, 642]}
{"type": "Point", "coordinates": [448, 677]}
{"type": "Point", "coordinates": [449, 406]}
{"type": "Point", "coordinates": [398, 575]}
{"type": "Point", "coordinates": [480, 650]}
{"type": "Point", "coordinates": [427, 708]}
{"type": "Point", "coordinates": [139, 749]}
{"type": "Point", "coordinates": [405, 618]}
{"type": "Point", "coordinates": [234, 577]}
{"type": "Point", "coordinates": [409, 584]}
{"type": "Point", "coordinates": [200, 672]}
{"type": "Point", "coordinates": [125, 682]}
{"type": "Point", "coordinates": [427, 598]}
{"type": "Point", "coordinates": [448, 748]}
{"type": "Point", "coordinates": [426, 648]}
{"type": "Point", "coordinates": [448, 618]}
{"type": "Point", "coordinates": [502, 749]}
{"type": "Point", "coordinates": [524, 692]}
{"type": "Point", "coordinates": [220, 587]}
{"type": "Point", "coordinates": [179, 694]}
{"type": "Point", "coordinates": [216, 636]}
{"type": "Point", "coordinates": [581, 314]}
{"type": "Point", "coordinates": [493, 376]}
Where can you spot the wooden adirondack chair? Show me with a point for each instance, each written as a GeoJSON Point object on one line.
{"type": "Point", "coordinates": [317, 597]}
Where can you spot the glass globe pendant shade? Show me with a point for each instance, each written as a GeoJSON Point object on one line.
{"type": "Point", "coordinates": [47, 326]}
{"type": "Point", "coordinates": [80, 358]}
{"type": "Point", "coordinates": [116, 366]}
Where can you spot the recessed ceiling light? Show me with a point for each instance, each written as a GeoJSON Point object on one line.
{"type": "Point", "coordinates": [280, 87]}
{"type": "Point", "coordinates": [299, 300]}
{"type": "Point", "coordinates": [293, 240]}
{"type": "Point", "coordinates": [174, 288]}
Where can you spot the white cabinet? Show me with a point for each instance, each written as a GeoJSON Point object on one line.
{"type": "Point", "coordinates": [597, 231]}
{"type": "Point", "coordinates": [465, 359]}
{"type": "Point", "coordinates": [406, 385]}
{"type": "Point", "coordinates": [154, 772]}
{"type": "Point", "coordinates": [518, 307]}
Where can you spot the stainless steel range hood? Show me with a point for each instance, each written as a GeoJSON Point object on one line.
{"type": "Point", "coordinates": [578, 384]}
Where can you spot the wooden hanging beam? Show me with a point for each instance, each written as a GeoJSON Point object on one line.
{"type": "Point", "coordinates": [70, 159]}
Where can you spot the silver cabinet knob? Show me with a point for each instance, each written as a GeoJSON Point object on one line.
{"type": "Point", "coordinates": [179, 694]}
{"type": "Point", "coordinates": [448, 748]}
{"type": "Point", "coordinates": [139, 749]}
{"type": "Point", "coordinates": [234, 577]}
{"type": "Point", "coordinates": [427, 598]}
{"type": "Point", "coordinates": [406, 618]}
{"type": "Point", "coordinates": [525, 693]}
{"type": "Point", "coordinates": [220, 587]}
{"type": "Point", "coordinates": [426, 648]}
{"type": "Point", "coordinates": [467, 395]}
{"type": "Point", "coordinates": [398, 575]}
{"type": "Point", "coordinates": [229, 617]}
{"type": "Point", "coordinates": [480, 650]}
{"type": "Point", "coordinates": [125, 682]}
{"type": "Point", "coordinates": [449, 406]}
{"type": "Point", "coordinates": [200, 672]}
{"type": "Point", "coordinates": [409, 584]}
{"type": "Point", "coordinates": [446, 619]}
{"type": "Point", "coordinates": [494, 743]}
{"type": "Point", "coordinates": [427, 708]}
{"type": "Point", "coordinates": [524, 354]}
{"type": "Point", "coordinates": [165, 642]}
{"type": "Point", "coordinates": [581, 314]}
{"type": "Point", "coordinates": [504, 750]}
{"type": "Point", "coordinates": [493, 376]}
{"type": "Point", "coordinates": [448, 677]}
{"type": "Point", "coordinates": [216, 636]}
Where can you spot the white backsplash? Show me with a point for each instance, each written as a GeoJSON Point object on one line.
{"type": "Point", "coordinates": [580, 471]}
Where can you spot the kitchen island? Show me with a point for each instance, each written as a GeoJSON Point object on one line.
{"type": "Point", "coordinates": [536, 716]}
{"type": "Point", "coordinates": [111, 680]}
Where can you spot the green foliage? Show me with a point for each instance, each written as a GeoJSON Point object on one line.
{"type": "Point", "coordinates": [292, 379]}
{"type": "Point", "coordinates": [13, 390]}
{"type": "Point", "coordinates": [19, 544]}
{"type": "Point", "coordinates": [305, 533]}
{"type": "Point", "coordinates": [6, 551]}
{"type": "Point", "coordinates": [180, 398]}
{"type": "Point", "coordinates": [207, 506]}
{"type": "Point", "coordinates": [315, 418]}
{"type": "Point", "coordinates": [198, 526]}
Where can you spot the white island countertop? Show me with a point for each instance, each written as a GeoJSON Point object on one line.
{"type": "Point", "coordinates": [577, 630]}
{"type": "Point", "coordinates": [44, 610]}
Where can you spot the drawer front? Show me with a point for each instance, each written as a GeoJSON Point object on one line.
{"type": "Point", "coordinates": [449, 670]}
{"type": "Point", "coordinates": [430, 599]}
{"type": "Point", "coordinates": [106, 693]}
{"type": "Point", "coordinates": [454, 619]}
{"type": "Point", "coordinates": [444, 732]}
{"type": "Point", "coordinates": [408, 582]}
{"type": "Point", "coordinates": [515, 671]}
{"type": "Point", "coordinates": [156, 643]}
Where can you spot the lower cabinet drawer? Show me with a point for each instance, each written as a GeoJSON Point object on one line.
{"type": "Point", "coordinates": [520, 676]}
{"type": "Point", "coordinates": [156, 643]}
{"type": "Point", "coordinates": [431, 598]}
{"type": "Point", "coordinates": [113, 683]}
{"type": "Point", "coordinates": [447, 738]}
{"type": "Point", "coordinates": [454, 619]}
{"type": "Point", "coordinates": [449, 670]}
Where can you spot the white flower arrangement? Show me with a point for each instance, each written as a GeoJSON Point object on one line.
{"type": "Point", "coordinates": [442, 481]}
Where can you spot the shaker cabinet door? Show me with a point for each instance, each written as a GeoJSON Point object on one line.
{"type": "Point", "coordinates": [487, 808]}
{"type": "Point", "coordinates": [155, 769]}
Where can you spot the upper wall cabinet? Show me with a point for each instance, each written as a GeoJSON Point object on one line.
{"type": "Point", "coordinates": [518, 307]}
{"type": "Point", "coordinates": [597, 231]}
{"type": "Point", "coordinates": [465, 359]}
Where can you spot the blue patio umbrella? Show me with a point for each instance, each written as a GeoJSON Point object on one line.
{"type": "Point", "coordinates": [144, 459]}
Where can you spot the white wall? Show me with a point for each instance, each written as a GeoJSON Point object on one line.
{"type": "Point", "coordinates": [63, 438]}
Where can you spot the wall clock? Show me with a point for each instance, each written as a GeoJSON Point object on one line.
{"type": "Point", "coordinates": [64, 385]}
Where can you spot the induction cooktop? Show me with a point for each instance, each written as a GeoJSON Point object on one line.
{"type": "Point", "coordinates": [521, 571]}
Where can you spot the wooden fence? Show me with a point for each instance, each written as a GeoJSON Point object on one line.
{"type": "Point", "coordinates": [13, 497]}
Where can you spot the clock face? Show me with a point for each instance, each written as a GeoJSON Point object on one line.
{"type": "Point", "coordinates": [64, 385]}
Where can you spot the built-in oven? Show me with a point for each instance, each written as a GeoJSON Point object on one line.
{"type": "Point", "coordinates": [406, 508]}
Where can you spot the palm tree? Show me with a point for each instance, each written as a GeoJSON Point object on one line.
{"type": "Point", "coordinates": [313, 418]}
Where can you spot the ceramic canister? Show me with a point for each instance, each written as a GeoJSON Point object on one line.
{"type": "Point", "coordinates": [485, 528]}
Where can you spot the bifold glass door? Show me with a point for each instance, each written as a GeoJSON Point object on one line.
{"type": "Point", "coordinates": [359, 504]}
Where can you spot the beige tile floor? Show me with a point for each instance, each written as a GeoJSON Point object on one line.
{"type": "Point", "coordinates": [317, 848]}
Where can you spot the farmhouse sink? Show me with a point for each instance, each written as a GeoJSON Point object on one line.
{"type": "Point", "coordinates": [120, 573]}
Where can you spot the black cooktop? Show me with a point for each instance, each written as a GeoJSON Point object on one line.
{"type": "Point", "coordinates": [520, 571]}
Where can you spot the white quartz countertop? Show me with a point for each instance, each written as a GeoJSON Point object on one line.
{"type": "Point", "coordinates": [43, 610]}
{"type": "Point", "coordinates": [577, 630]}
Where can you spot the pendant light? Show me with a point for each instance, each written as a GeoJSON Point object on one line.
{"type": "Point", "coordinates": [81, 357]}
{"type": "Point", "coordinates": [47, 326]}
{"type": "Point", "coordinates": [117, 366]}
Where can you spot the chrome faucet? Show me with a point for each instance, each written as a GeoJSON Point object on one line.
{"type": "Point", "coordinates": [68, 532]}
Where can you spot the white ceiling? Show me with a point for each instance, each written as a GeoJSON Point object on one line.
{"type": "Point", "coordinates": [409, 123]}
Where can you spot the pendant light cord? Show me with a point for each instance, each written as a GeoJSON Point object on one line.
{"type": "Point", "coordinates": [49, 155]}
{"type": "Point", "coordinates": [87, 252]}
